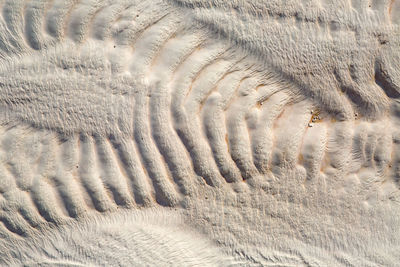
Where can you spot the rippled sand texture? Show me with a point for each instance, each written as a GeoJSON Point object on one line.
{"type": "Point", "coordinates": [199, 133]}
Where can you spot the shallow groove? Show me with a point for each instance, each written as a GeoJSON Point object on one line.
{"type": "Point", "coordinates": [89, 176]}
{"type": "Point", "coordinates": [131, 163]}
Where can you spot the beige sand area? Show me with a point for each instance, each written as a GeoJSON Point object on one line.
{"type": "Point", "coordinates": [199, 133]}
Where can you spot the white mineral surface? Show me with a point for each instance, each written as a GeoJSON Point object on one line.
{"type": "Point", "coordinates": [200, 133]}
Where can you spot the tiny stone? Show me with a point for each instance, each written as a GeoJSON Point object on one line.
{"type": "Point", "coordinates": [310, 125]}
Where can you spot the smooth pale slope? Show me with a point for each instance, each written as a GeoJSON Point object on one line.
{"type": "Point", "coordinates": [127, 126]}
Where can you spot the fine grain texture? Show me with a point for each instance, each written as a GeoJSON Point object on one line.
{"type": "Point", "coordinates": [199, 133]}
